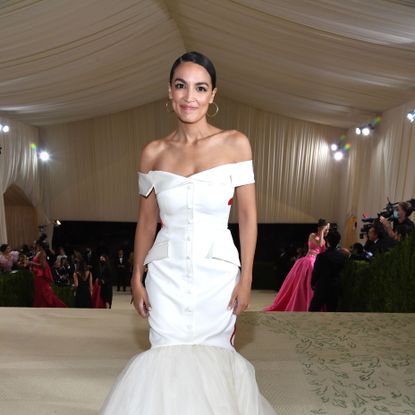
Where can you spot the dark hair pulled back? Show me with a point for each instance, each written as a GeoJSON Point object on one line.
{"type": "Point", "coordinates": [321, 223]}
{"type": "Point", "coordinates": [199, 59]}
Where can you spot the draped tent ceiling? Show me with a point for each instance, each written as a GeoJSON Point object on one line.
{"type": "Point", "coordinates": [332, 62]}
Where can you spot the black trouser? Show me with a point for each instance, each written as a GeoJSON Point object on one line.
{"type": "Point", "coordinates": [324, 295]}
{"type": "Point", "coordinates": [122, 273]}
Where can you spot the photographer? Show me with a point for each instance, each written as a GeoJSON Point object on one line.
{"type": "Point", "coordinates": [404, 224]}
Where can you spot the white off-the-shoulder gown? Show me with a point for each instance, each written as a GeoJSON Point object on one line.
{"type": "Point", "coordinates": [192, 367]}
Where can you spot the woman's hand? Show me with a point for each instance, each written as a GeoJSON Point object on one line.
{"type": "Point", "coordinates": [385, 222]}
{"type": "Point", "coordinates": [140, 300]}
{"type": "Point", "coordinates": [241, 297]}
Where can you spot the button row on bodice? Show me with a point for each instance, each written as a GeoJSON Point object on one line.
{"type": "Point", "coordinates": [189, 264]}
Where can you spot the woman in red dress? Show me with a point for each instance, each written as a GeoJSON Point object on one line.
{"type": "Point", "coordinates": [43, 295]}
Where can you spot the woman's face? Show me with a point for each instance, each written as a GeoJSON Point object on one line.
{"type": "Point", "coordinates": [401, 214]}
{"type": "Point", "coordinates": [325, 229]}
{"type": "Point", "coordinates": [191, 92]}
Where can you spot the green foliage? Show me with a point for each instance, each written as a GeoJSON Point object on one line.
{"type": "Point", "coordinates": [386, 285]}
{"type": "Point", "coordinates": [16, 290]}
{"type": "Point", "coordinates": [66, 294]}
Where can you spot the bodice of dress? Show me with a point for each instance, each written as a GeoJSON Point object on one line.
{"type": "Point", "coordinates": [314, 249]}
{"type": "Point", "coordinates": [194, 211]}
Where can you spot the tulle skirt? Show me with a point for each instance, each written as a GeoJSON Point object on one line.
{"type": "Point", "coordinates": [187, 380]}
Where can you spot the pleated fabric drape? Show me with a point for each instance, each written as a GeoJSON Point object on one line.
{"type": "Point", "coordinates": [19, 166]}
{"type": "Point", "coordinates": [379, 166]}
{"type": "Point", "coordinates": [93, 169]}
{"type": "Point", "coordinates": [334, 62]}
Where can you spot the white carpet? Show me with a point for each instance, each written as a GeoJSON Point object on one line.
{"type": "Point", "coordinates": [64, 361]}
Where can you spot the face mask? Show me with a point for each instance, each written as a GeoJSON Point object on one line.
{"type": "Point", "coordinates": [395, 214]}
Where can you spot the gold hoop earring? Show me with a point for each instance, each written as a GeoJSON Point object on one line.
{"type": "Point", "coordinates": [215, 113]}
{"type": "Point", "coordinates": [169, 110]}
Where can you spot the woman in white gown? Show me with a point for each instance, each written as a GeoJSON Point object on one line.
{"type": "Point", "coordinates": [196, 284]}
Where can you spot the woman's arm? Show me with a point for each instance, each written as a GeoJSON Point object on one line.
{"type": "Point", "coordinates": [388, 228]}
{"type": "Point", "coordinates": [247, 219]}
{"type": "Point", "coordinates": [319, 242]}
{"type": "Point", "coordinates": [144, 236]}
{"type": "Point", "coordinates": [90, 282]}
{"type": "Point", "coordinates": [75, 279]}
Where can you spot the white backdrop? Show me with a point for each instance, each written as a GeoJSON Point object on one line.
{"type": "Point", "coordinates": [93, 169]}
{"type": "Point", "coordinates": [92, 173]}
{"type": "Point", "coordinates": [380, 166]}
{"type": "Point", "coordinates": [19, 166]}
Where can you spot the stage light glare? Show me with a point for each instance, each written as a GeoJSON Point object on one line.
{"type": "Point", "coordinates": [44, 155]}
{"type": "Point", "coordinates": [366, 131]}
{"type": "Point", "coordinates": [411, 116]}
{"type": "Point", "coordinates": [334, 147]}
{"type": "Point", "coordinates": [6, 129]}
{"type": "Point", "coordinates": [338, 155]}
{"type": "Point", "coordinates": [358, 131]}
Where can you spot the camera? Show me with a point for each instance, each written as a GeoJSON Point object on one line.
{"type": "Point", "coordinates": [389, 213]}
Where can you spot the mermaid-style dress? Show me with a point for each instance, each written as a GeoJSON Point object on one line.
{"type": "Point", "coordinates": [193, 266]}
{"type": "Point", "coordinates": [296, 292]}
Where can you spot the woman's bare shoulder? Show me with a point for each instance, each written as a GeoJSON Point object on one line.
{"type": "Point", "coordinates": [239, 142]}
{"type": "Point", "coordinates": [150, 153]}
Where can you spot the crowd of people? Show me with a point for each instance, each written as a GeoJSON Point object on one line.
{"type": "Point", "coordinates": [90, 275]}
{"type": "Point", "coordinates": [312, 281]}
{"type": "Point", "coordinates": [309, 279]}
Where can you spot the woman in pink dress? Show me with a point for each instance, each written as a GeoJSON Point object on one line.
{"type": "Point", "coordinates": [296, 293]}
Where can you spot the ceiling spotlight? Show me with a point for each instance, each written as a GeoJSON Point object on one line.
{"type": "Point", "coordinates": [358, 131]}
{"type": "Point", "coordinates": [44, 155]}
{"type": "Point", "coordinates": [411, 116]}
{"type": "Point", "coordinates": [57, 222]}
{"type": "Point", "coordinates": [6, 129]}
{"type": "Point", "coordinates": [366, 131]}
{"type": "Point", "coordinates": [338, 155]}
{"type": "Point", "coordinates": [334, 147]}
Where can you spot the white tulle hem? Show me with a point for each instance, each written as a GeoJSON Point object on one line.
{"type": "Point", "coordinates": [187, 380]}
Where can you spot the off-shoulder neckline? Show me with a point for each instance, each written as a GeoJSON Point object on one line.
{"type": "Point", "coordinates": [199, 172]}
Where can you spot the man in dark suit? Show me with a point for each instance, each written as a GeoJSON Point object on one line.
{"type": "Point", "coordinates": [122, 267]}
{"type": "Point", "coordinates": [326, 274]}
{"type": "Point", "coordinates": [378, 241]}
